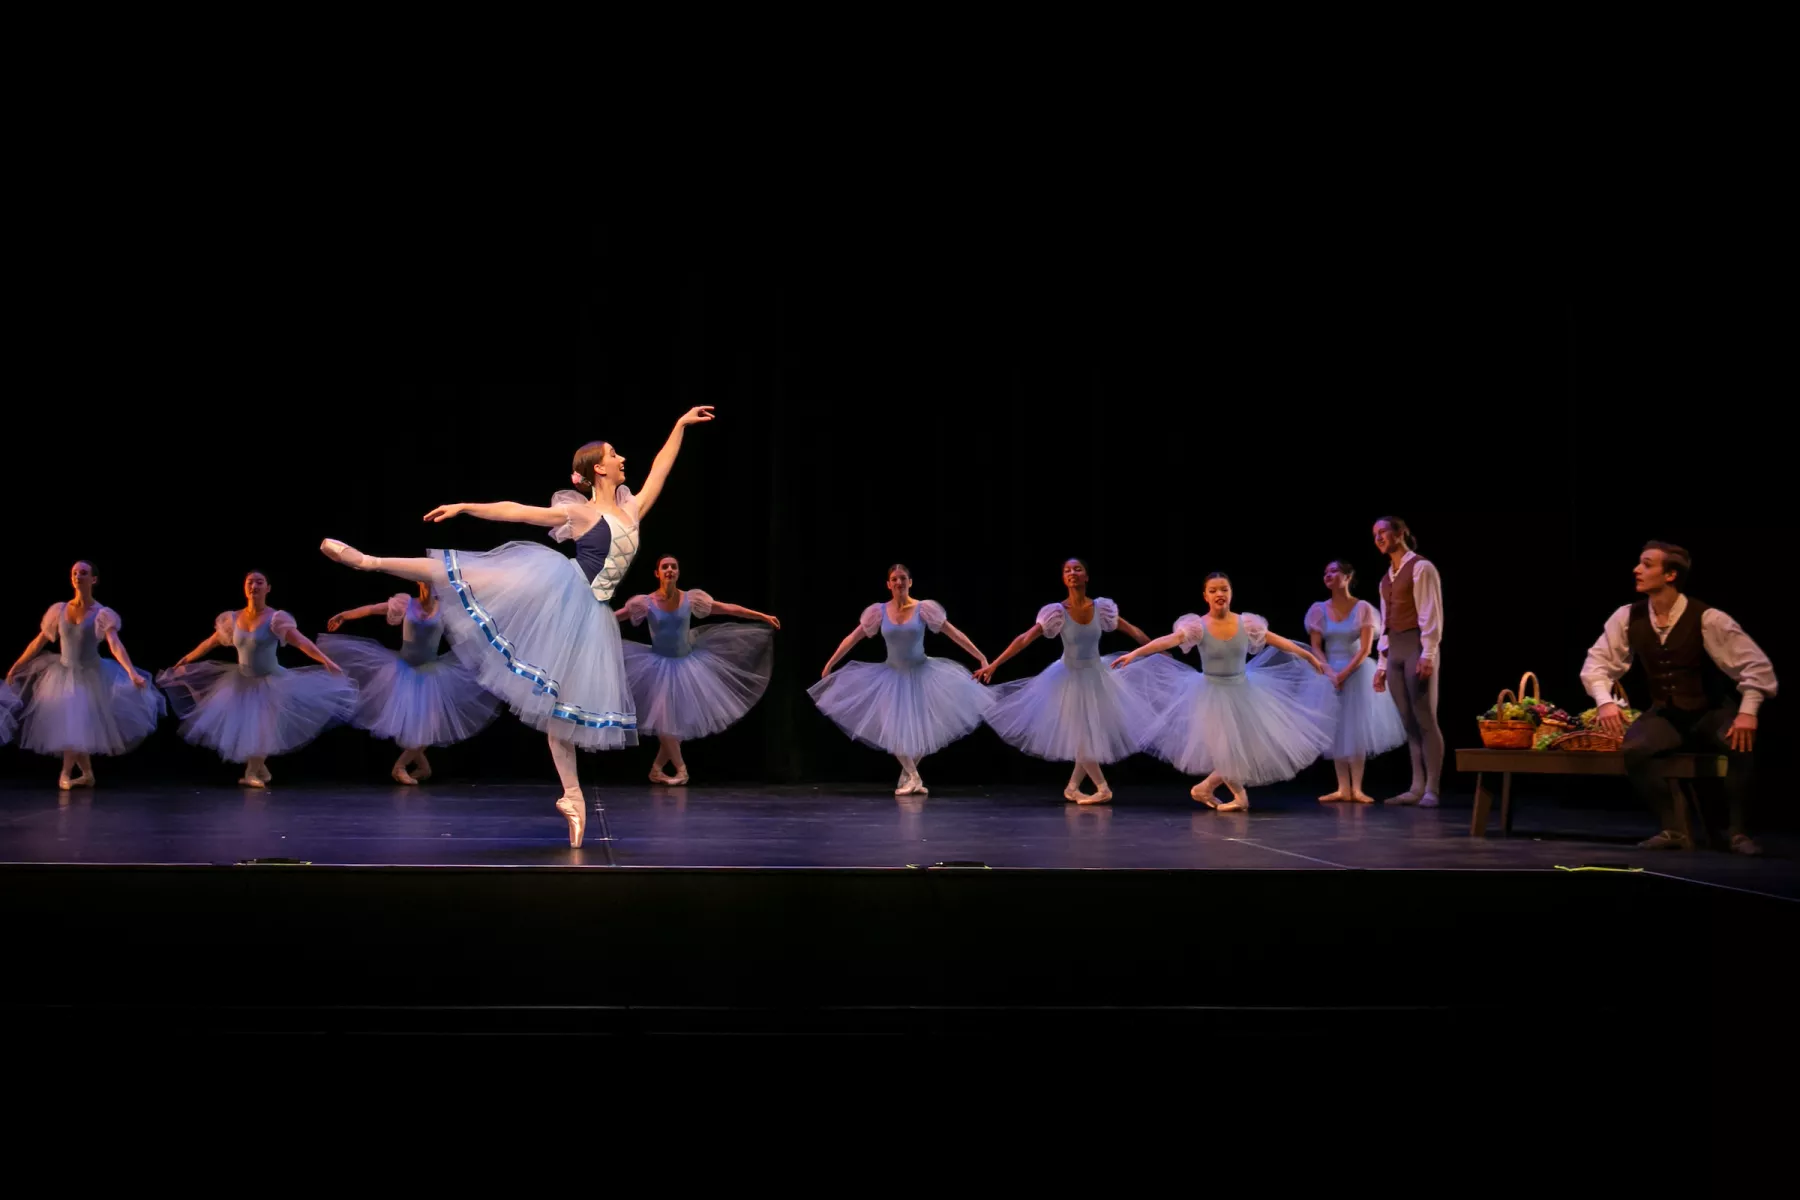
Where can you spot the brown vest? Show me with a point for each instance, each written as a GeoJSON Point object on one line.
{"type": "Point", "coordinates": [1397, 598]}
{"type": "Point", "coordinates": [1681, 673]}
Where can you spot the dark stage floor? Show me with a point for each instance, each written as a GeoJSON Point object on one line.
{"type": "Point", "coordinates": [497, 825]}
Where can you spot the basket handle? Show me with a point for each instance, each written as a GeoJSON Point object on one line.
{"type": "Point", "coordinates": [1504, 693]}
{"type": "Point", "coordinates": [1618, 695]}
{"type": "Point", "coordinates": [1535, 694]}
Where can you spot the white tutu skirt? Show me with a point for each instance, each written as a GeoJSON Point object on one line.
{"type": "Point", "coordinates": [522, 617]}
{"type": "Point", "coordinates": [436, 703]}
{"type": "Point", "coordinates": [707, 689]}
{"type": "Point", "coordinates": [249, 716]}
{"type": "Point", "coordinates": [96, 710]}
{"type": "Point", "coordinates": [1367, 721]}
{"type": "Point", "coordinates": [1260, 727]}
{"type": "Point", "coordinates": [1089, 712]}
{"type": "Point", "coordinates": [911, 711]}
{"type": "Point", "coordinates": [9, 713]}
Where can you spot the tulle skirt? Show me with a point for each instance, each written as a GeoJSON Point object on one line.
{"type": "Point", "coordinates": [90, 710]}
{"type": "Point", "coordinates": [435, 703]}
{"type": "Point", "coordinates": [908, 710]}
{"type": "Point", "coordinates": [709, 688]}
{"type": "Point", "coordinates": [1088, 712]}
{"type": "Point", "coordinates": [9, 713]}
{"type": "Point", "coordinates": [522, 617]}
{"type": "Point", "coordinates": [1367, 721]}
{"type": "Point", "coordinates": [1259, 727]}
{"type": "Point", "coordinates": [250, 716]}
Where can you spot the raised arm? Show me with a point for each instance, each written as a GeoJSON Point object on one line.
{"type": "Point", "coordinates": [118, 649]}
{"type": "Point", "coordinates": [1296, 649]}
{"type": "Point", "coordinates": [200, 651]}
{"type": "Point", "coordinates": [37, 643]}
{"type": "Point", "coordinates": [856, 635]}
{"type": "Point", "coordinates": [986, 674]}
{"type": "Point", "coordinates": [1133, 632]}
{"type": "Point", "coordinates": [304, 645]}
{"type": "Point", "coordinates": [665, 458]}
{"type": "Point", "coordinates": [721, 609]}
{"type": "Point", "coordinates": [1167, 641]}
{"type": "Point", "coordinates": [354, 614]}
{"type": "Point", "coordinates": [956, 635]}
{"type": "Point", "coordinates": [502, 510]}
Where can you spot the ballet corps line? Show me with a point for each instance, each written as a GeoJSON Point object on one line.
{"type": "Point", "coordinates": [532, 629]}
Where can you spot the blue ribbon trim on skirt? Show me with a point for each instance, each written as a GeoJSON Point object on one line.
{"type": "Point", "coordinates": [542, 682]}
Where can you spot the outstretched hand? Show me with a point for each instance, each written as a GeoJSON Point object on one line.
{"type": "Point", "coordinates": [772, 620]}
{"type": "Point", "coordinates": [695, 416]}
{"type": "Point", "coordinates": [332, 667]}
{"type": "Point", "coordinates": [1124, 659]}
{"type": "Point", "coordinates": [139, 679]}
{"type": "Point", "coordinates": [336, 623]}
{"type": "Point", "coordinates": [444, 512]}
{"type": "Point", "coordinates": [984, 674]}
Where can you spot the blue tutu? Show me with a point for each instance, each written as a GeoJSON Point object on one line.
{"type": "Point", "coordinates": [75, 700]}
{"type": "Point", "coordinates": [9, 713]}
{"type": "Point", "coordinates": [688, 683]}
{"type": "Point", "coordinates": [1078, 708]}
{"type": "Point", "coordinates": [1255, 724]}
{"type": "Point", "coordinates": [1367, 722]}
{"type": "Point", "coordinates": [255, 707]}
{"type": "Point", "coordinates": [414, 697]}
{"type": "Point", "coordinates": [910, 705]}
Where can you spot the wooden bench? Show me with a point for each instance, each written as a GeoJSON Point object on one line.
{"type": "Point", "coordinates": [1678, 769]}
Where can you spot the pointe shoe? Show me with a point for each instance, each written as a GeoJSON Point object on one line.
{"type": "Point", "coordinates": [1207, 797]}
{"type": "Point", "coordinates": [338, 552]}
{"type": "Point", "coordinates": [573, 807]}
{"type": "Point", "coordinates": [1103, 796]}
{"type": "Point", "coordinates": [919, 788]}
{"type": "Point", "coordinates": [422, 776]}
{"type": "Point", "coordinates": [1073, 795]}
{"type": "Point", "coordinates": [82, 781]}
{"type": "Point", "coordinates": [62, 783]}
{"type": "Point", "coordinates": [1333, 798]}
{"type": "Point", "coordinates": [657, 776]}
{"type": "Point", "coordinates": [400, 776]}
{"type": "Point", "coordinates": [1428, 800]}
{"type": "Point", "coordinates": [1240, 802]}
{"type": "Point", "coordinates": [1362, 798]}
{"type": "Point", "coordinates": [1403, 798]}
{"type": "Point", "coordinates": [251, 781]}
{"type": "Point", "coordinates": [676, 780]}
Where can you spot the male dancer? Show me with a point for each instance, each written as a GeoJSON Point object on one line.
{"type": "Point", "coordinates": [1412, 626]}
{"type": "Point", "coordinates": [1693, 654]}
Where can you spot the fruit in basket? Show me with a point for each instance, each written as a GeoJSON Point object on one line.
{"type": "Point", "coordinates": [1506, 712]}
{"type": "Point", "coordinates": [1545, 739]}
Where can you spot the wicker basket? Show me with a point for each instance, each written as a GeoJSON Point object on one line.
{"type": "Point", "coordinates": [1510, 735]}
{"type": "Point", "coordinates": [1586, 739]}
{"type": "Point", "coordinates": [1594, 739]}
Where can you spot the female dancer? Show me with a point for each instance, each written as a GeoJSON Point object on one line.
{"type": "Point", "coordinates": [533, 624]}
{"type": "Point", "coordinates": [1237, 725]}
{"type": "Point", "coordinates": [1075, 709]}
{"type": "Point", "coordinates": [909, 705]}
{"type": "Point", "coordinates": [254, 708]}
{"type": "Point", "coordinates": [414, 697]}
{"type": "Point", "coordinates": [688, 683]}
{"type": "Point", "coordinates": [1343, 631]}
{"type": "Point", "coordinates": [77, 704]}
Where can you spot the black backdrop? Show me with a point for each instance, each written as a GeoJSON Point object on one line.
{"type": "Point", "coordinates": [977, 399]}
